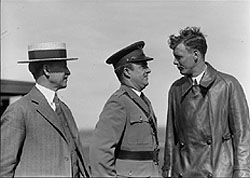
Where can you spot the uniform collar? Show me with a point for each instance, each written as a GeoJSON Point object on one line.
{"type": "Point", "coordinates": [131, 94]}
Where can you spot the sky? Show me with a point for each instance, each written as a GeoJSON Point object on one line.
{"type": "Point", "coordinates": [95, 29]}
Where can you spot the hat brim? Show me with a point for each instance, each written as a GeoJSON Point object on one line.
{"type": "Point", "coordinates": [119, 54]}
{"type": "Point", "coordinates": [47, 60]}
{"type": "Point", "coordinates": [146, 58]}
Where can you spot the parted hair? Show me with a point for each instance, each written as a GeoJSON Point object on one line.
{"type": "Point", "coordinates": [191, 37]}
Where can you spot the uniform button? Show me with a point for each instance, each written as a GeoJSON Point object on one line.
{"type": "Point", "coordinates": [209, 141]}
{"type": "Point", "coordinates": [209, 175]}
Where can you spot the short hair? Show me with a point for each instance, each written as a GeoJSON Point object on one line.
{"type": "Point", "coordinates": [120, 70]}
{"type": "Point", "coordinates": [36, 69]}
{"type": "Point", "coordinates": [191, 37]}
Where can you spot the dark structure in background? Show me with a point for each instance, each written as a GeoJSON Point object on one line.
{"type": "Point", "coordinates": [11, 89]}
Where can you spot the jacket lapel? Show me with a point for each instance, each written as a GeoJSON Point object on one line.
{"type": "Point", "coordinates": [41, 105]}
{"type": "Point", "coordinates": [75, 135]}
{"type": "Point", "coordinates": [151, 111]}
{"type": "Point", "coordinates": [71, 123]}
{"type": "Point", "coordinates": [186, 86]}
{"type": "Point", "coordinates": [206, 81]}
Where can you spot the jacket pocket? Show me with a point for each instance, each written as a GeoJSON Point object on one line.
{"type": "Point", "coordinates": [227, 150]}
{"type": "Point", "coordinates": [139, 130]}
{"type": "Point", "coordinates": [128, 168]}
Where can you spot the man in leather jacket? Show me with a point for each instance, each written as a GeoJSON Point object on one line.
{"type": "Point", "coordinates": [208, 126]}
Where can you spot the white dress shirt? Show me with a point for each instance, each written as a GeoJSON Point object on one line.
{"type": "Point", "coordinates": [48, 94]}
{"type": "Point", "coordinates": [137, 92]}
{"type": "Point", "coordinates": [198, 78]}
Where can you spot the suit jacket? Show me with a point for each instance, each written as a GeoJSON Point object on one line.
{"type": "Point", "coordinates": [123, 125]}
{"type": "Point", "coordinates": [33, 142]}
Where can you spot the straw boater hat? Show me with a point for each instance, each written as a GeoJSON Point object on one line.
{"type": "Point", "coordinates": [50, 51]}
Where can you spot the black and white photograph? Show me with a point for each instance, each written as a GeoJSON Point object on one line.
{"type": "Point", "coordinates": [125, 88]}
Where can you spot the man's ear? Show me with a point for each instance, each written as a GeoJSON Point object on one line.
{"type": "Point", "coordinates": [126, 72]}
{"type": "Point", "coordinates": [196, 55]}
{"type": "Point", "coordinates": [46, 70]}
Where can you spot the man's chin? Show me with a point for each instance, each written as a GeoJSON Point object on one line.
{"type": "Point", "coordinates": [64, 86]}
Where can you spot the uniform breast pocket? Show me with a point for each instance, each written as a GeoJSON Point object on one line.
{"type": "Point", "coordinates": [139, 130]}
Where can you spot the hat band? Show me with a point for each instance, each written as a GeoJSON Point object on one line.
{"type": "Point", "coordinates": [43, 54]}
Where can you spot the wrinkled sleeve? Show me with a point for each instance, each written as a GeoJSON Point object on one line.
{"type": "Point", "coordinates": [170, 136]}
{"type": "Point", "coordinates": [12, 139]}
{"type": "Point", "coordinates": [240, 126]}
{"type": "Point", "coordinates": [105, 138]}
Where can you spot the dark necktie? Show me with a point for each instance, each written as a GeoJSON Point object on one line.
{"type": "Point", "coordinates": [142, 96]}
{"type": "Point", "coordinates": [56, 101]}
{"type": "Point", "coordinates": [195, 88]}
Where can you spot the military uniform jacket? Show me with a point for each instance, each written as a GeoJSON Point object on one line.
{"type": "Point", "coordinates": [215, 140]}
{"type": "Point", "coordinates": [33, 143]}
{"type": "Point", "coordinates": [123, 125]}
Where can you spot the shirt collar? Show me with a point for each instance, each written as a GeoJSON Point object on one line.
{"type": "Point", "coordinates": [48, 94]}
{"type": "Point", "coordinates": [198, 78]}
{"type": "Point", "coordinates": [137, 92]}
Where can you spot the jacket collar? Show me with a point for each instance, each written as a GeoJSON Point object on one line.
{"type": "Point", "coordinates": [209, 76]}
{"type": "Point", "coordinates": [42, 106]}
{"type": "Point", "coordinates": [135, 98]}
{"type": "Point", "coordinates": [206, 81]}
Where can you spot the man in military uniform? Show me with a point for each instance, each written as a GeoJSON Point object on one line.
{"type": "Point", "coordinates": [125, 142]}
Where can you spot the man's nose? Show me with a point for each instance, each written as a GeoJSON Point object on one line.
{"type": "Point", "coordinates": [148, 70]}
{"type": "Point", "coordinates": [67, 72]}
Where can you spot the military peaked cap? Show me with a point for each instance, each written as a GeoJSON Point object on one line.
{"type": "Point", "coordinates": [130, 54]}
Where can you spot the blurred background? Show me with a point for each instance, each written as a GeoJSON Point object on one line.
{"type": "Point", "coordinates": [95, 29]}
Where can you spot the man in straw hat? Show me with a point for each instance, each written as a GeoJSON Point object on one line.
{"type": "Point", "coordinates": [39, 136]}
{"type": "Point", "coordinates": [125, 142]}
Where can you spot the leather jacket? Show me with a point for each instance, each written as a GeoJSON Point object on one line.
{"type": "Point", "coordinates": [213, 141]}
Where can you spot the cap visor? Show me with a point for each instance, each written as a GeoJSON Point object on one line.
{"type": "Point", "coordinates": [142, 59]}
